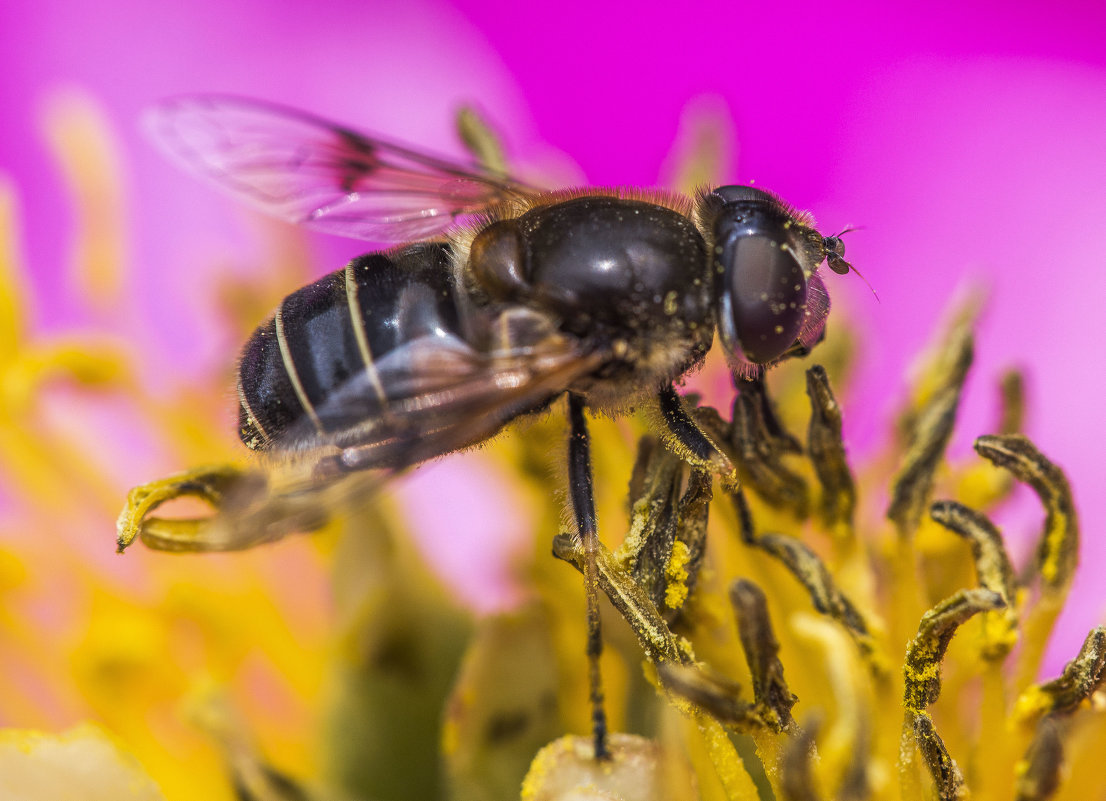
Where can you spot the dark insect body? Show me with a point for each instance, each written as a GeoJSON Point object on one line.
{"type": "Point", "coordinates": [400, 344]}
{"type": "Point", "coordinates": [508, 298]}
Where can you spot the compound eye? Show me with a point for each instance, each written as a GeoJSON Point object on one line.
{"type": "Point", "coordinates": [767, 298]}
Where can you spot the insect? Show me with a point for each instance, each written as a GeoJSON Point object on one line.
{"type": "Point", "coordinates": [503, 298]}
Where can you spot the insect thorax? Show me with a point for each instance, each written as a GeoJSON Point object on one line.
{"type": "Point", "coordinates": [615, 272]}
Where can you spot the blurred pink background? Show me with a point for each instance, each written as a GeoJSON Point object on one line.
{"type": "Point", "coordinates": [968, 142]}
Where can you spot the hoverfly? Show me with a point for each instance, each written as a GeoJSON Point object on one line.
{"type": "Point", "coordinates": [503, 298]}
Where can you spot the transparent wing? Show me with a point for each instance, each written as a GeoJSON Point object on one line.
{"type": "Point", "coordinates": [439, 395]}
{"type": "Point", "coordinates": [462, 399]}
{"type": "Point", "coordinates": [327, 177]}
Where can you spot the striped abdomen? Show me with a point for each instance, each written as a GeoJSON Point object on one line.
{"type": "Point", "coordinates": [327, 359]}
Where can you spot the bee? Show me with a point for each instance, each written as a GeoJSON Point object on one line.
{"type": "Point", "coordinates": [503, 298]}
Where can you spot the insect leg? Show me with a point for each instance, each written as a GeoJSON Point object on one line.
{"type": "Point", "coordinates": [690, 442]}
{"type": "Point", "coordinates": [582, 495]}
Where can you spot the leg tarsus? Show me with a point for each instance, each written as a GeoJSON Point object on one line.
{"type": "Point", "coordinates": [582, 495]}
{"type": "Point", "coordinates": [690, 442]}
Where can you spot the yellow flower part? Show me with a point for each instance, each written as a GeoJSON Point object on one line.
{"type": "Point", "coordinates": [82, 762]}
{"type": "Point", "coordinates": [85, 635]}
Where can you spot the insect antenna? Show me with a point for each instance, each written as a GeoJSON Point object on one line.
{"type": "Point", "coordinates": [835, 257]}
